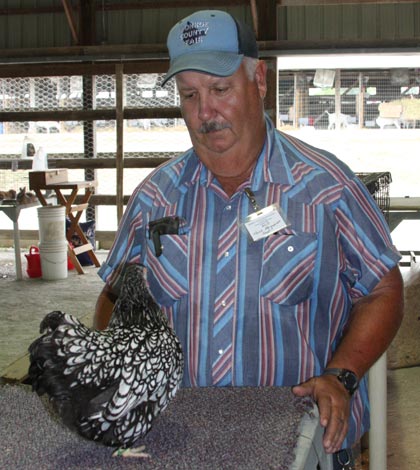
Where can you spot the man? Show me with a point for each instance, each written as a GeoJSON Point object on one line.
{"type": "Point", "coordinates": [270, 258]}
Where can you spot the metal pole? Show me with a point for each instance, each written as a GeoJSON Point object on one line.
{"type": "Point", "coordinates": [378, 417]}
{"type": "Point", "coordinates": [16, 239]}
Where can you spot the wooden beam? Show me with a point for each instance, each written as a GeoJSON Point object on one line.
{"type": "Point", "coordinates": [105, 238]}
{"type": "Point", "coordinates": [67, 69]}
{"type": "Point", "coordinates": [267, 30]}
{"type": "Point", "coordinates": [293, 3]}
{"type": "Point", "coordinates": [198, 4]}
{"type": "Point", "coordinates": [68, 115]}
{"type": "Point", "coordinates": [90, 114]}
{"type": "Point", "coordinates": [267, 20]}
{"type": "Point", "coordinates": [88, 53]}
{"type": "Point", "coordinates": [30, 11]}
{"type": "Point", "coordinates": [360, 102]}
{"type": "Point", "coordinates": [95, 163]}
{"type": "Point", "coordinates": [153, 4]}
{"type": "Point", "coordinates": [71, 20]}
{"type": "Point", "coordinates": [337, 100]}
{"type": "Point", "coordinates": [271, 97]}
{"type": "Point", "coordinates": [269, 48]}
{"type": "Point", "coordinates": [87, 22]}
{"type": "Point", "coordinates": [156, 4]}
{"type": "Point", "coordinates": [150, 52]}
{"type": "Point", "coordinates": [254, 13]}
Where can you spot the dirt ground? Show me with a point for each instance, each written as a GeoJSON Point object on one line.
{"type": "Point", "coordinates": [25, 303]}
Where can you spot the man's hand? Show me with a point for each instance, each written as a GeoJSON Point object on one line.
{"type": "Point", "coordinates": [374, 321]}
{"type": "Point", "coordinates": [333, 402]}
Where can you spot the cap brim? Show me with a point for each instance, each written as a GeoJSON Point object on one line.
{"type": "Point", "coordinates": [221, 64]}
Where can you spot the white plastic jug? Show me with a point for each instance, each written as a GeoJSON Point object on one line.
{"type": "Point", "coordinates": [40, 161]}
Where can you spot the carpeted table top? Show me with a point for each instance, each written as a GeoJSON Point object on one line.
{"type": "Point", "coordinates": [203, 428]}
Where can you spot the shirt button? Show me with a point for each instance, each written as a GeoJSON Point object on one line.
{"type": "Point", "coordinates": [220, 351]}
{"type": "Point", "coordinates": [290, 249]}
{"type": "Point", "coordinates": [226, 254]}
{"type": "Point", "coordinates": [223, 303]}
{"type": "Point", "coordinates": [228, 207]}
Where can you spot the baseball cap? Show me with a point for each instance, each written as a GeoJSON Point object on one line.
{"type": "Point", "coordinates": [209, 41]}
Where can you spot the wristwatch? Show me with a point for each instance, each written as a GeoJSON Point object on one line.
{"type": "Point", "coordinates": [346, 377]}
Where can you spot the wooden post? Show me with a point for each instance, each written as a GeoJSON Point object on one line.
{"type": "Point", "coordinates": [119, 163]}
{"type": "Point", "coordinates": [337, 99]}
{"type": "Point", "coordinates": [32, 102]}
{"type": "Point", "coordinates": [264, 15]}
{"type": "Point", "coordinates": [361, 102]}
{"type": "Point", "coordinates": [87, 22]}
{"type": "Point", "coordinates": [301, 98]}
{"type": "Point", "coordinates": [271, 98]}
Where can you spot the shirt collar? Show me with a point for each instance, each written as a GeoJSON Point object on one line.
{"type": "Point", "coordinates": [275, 168]}
{"type": "Point", "coordinates": [272, 165]}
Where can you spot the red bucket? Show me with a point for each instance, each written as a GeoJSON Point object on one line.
{"type": "Point", "coordinates": [34, 262]}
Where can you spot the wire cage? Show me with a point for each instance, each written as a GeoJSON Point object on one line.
{"type": "Point", "coordinates": [14, 179]}
{"type": "Point", "coordinates": [378, 185]}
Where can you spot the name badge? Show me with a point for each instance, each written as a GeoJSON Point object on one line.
{"type": "Point", "coordinates": [264, 222]}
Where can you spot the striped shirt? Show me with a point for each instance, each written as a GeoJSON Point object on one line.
{"type": "Point", "coordinates": [282, 302]}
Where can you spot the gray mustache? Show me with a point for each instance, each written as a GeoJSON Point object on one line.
{"type": "Point", "coordinates": [212, 126]}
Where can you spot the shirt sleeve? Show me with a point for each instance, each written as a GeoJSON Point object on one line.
{"type": "Point", "coordinates": [127, 246]}
{"type": "Point", "coordinates": [365, 239]}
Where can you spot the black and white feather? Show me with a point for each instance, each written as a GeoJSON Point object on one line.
{"type": "Point", "coordinates": [109, 385]}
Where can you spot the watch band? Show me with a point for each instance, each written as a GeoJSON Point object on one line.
{"type": "Point", "coordinates": [347, 377]}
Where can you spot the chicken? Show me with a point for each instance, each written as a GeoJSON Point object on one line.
{"type": "Point", "coordinates": [109, 385]}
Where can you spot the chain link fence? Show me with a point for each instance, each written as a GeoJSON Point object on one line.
{"type": "Point", "coordinates": [375, 99]}
{"type": "Point", "coordinates": [319, 100]}
{"type": "Point", "coordinates": [65, 139]}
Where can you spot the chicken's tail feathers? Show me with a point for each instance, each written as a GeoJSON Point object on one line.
{"type": "Point", "coordinates": [46, 363]}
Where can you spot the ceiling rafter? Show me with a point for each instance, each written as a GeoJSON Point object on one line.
{"type": "Point", "coordinates": [254, 12]}
{"type": "Point", "coordinates": [81, 17]}
{"type": "Point", "coordinates": [293, 3]}
{"type": "Point", "coordinates": [87, 24]}
{"type": "Point", "coordinates": [68, 9]}
{"type": "Point", "coordinates": [142, 5]}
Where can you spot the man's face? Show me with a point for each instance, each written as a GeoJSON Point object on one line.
{"type": "Point", "coordinates": [222, 113]}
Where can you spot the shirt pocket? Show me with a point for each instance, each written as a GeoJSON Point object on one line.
{"type": "Point", "coordinates": [167, 274]}
{"type": "Point", "coordinates": [288, 267]}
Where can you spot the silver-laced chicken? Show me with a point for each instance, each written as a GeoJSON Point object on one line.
{"type": "Point", "coordinates": [110, 385]}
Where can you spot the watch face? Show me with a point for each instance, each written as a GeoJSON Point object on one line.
{"type": "Point", "coordinates": [346, 377]}
{"type": "Point", "coordinates": [349, 380]}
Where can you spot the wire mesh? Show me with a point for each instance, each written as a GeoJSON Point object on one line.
{"type": "Point", "coordinates": [75, 139]}
{"type": "Point", "coordinates": [69, 93]}
{"type": "Point", "coordinates": [378, 186]}
{"type": "Point", "coordinates": [14, 180]}
{"type": "Point", "coordinates": [365, 99]}
{"type": "Point", "coordinates": [75, 93]}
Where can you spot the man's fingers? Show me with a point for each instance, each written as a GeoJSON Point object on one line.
{"type": "Point", "coordinates": [324, 406]}
{"type": "Point", "coordinates": [335, 434]}
{"type": "Point", "coordinates": [333, 403]}
{"type": "Point", "coordinates": [303, 390]}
